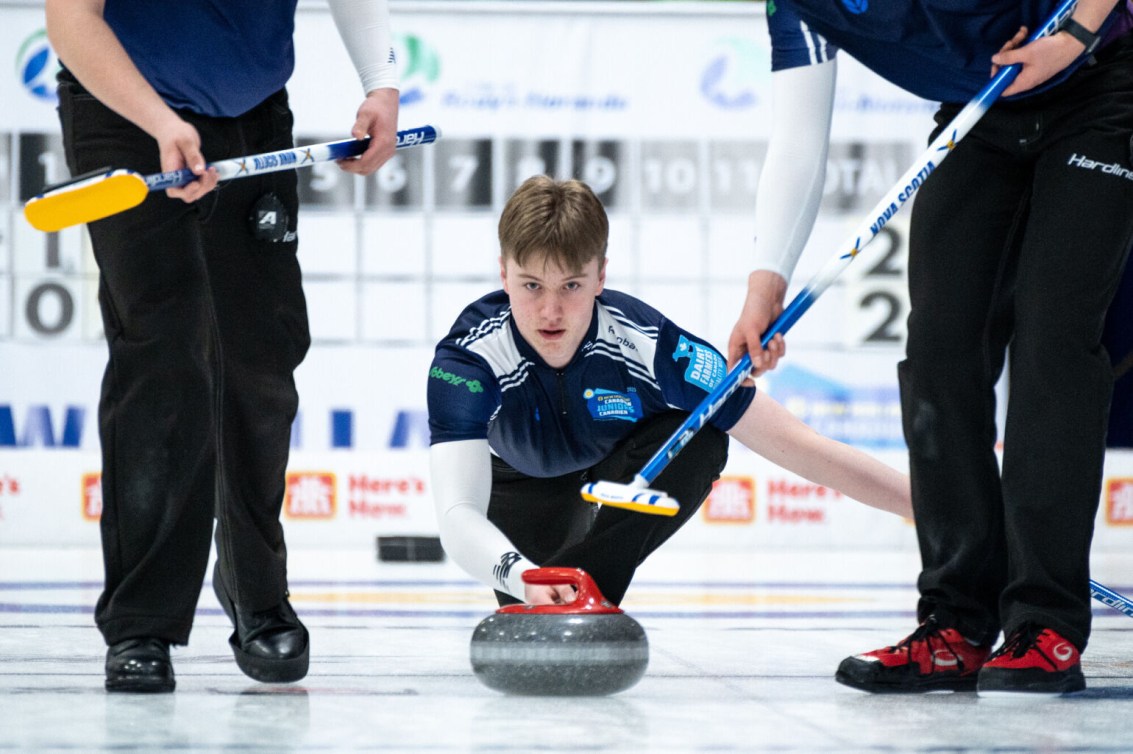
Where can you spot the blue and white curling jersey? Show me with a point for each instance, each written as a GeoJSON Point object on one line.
{"type": "Point", "coordinates": [937, 49]}
{"type": "Point", "coordinates": [487, 382]}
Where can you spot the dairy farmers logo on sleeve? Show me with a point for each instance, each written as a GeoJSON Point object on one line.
{"type": "Point", "coordinates": [705, 369]}
{"type": "Point", "coordinates": [610, 405]}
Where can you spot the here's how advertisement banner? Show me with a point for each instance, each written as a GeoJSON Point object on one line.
{"type": "Point", "coordinates": [662, 107]}
{"type": "Point", "coordinates": [360, 469]}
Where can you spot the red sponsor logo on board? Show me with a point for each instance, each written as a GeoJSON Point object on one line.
{"type": "Point", "coordinates": [310, 495]}
{"type": "Point", "coordinates": [1119, 501]}
{"type": "Point", "coordinates": [732, 501]}
{"type": "Point", "coordinates": [92, 496]}
{"type": "Point", "coordinates": [370, 496]}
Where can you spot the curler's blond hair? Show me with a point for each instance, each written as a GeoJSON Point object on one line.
{"type": "Point", "coordinates": [563, 221]}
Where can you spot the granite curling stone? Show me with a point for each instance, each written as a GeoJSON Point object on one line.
{"type": "Point", "coordinates": [588, 647]}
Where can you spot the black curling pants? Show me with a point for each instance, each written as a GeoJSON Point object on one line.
{"type": "Point", "coordinates": [1017, 246]}
{"type": "Point", "coordinates": [205, 326]}
{"type": "Point", "coordinates": [552, 525]}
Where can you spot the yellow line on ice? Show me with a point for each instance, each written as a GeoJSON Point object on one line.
{"type": "Point", "coordinates": [736, 599]}
{"type": "Point", "coordinates": [380, 597]}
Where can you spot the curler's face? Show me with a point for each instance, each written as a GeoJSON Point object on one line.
{"type": "Point", "coordinates": [552, 307]}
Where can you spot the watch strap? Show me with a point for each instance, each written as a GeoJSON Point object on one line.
{"type": "Point", "coordinates": [1088, 38]}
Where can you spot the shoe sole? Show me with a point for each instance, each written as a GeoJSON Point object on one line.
{"type": "Point", "coordinates": [271, 671]}
{"type": "Point", "coordinates": [1021, 695]}
{"type": "Point", "coordinates": [1029, 684]}
{"type": "Point", "coordinates": [1029, 689]}
{"type": "Point", "coordinates": [257, 668]}
{"type": "Point", "coordinates": [873, 686]}
{"type": "Point", "coordinates": [140, 686]}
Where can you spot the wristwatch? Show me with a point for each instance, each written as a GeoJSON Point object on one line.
{"type": "Point", "coordinates": [1088, 38]}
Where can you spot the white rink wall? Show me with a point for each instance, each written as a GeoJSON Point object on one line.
{"type": "Point", "coordinates": [662, 107]}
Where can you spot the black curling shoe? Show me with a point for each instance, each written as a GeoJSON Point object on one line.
{"type": "Point", "coordinates": [270, 646]}
{"type": "Point", "coordinates": [139, 665]}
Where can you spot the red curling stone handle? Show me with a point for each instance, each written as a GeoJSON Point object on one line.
{"type": "Point", "coordinates": [588, 600]}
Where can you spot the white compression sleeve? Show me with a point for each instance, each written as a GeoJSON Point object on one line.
{"type": "Point", "coordinates": [790, 186]}
{"type": "Point", "coordinates": [461, 474]}
{"type": "Point", "coordinates": [365, 30]}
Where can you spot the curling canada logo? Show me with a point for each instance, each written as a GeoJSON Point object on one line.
{"type": "Point", "coordinates": [607, 405]}
{"type": "Point", "coordinates": [36, 66]}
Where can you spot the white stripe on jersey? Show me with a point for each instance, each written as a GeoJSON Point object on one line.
{"type": "Point", "coordinates": [492, 340]}
{"type": "Point", "coordinates": [614, 354]}
{"type": "Point", "coordinates": [485, 327]}
{"type": "Point", "coordinates": [816, 43]}
{"type": "Point", "coordinates": [620, 316]}
{"type": "Point", "coordinates": [620, 339]}
{"type": "Point", "coordinates": [516, 378]}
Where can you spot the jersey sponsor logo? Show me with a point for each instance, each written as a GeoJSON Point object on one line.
{"type": "Point", "coordinates": [1119, 501]}
{"type": "Point", "coordinates": [456, 380]}
{"type": "Point", "coordinates": [621, 341]}
{"type": "Point", "coordinates": [610, 405]}
{"type": "Point", "coordinates": [1112, 168]}
{"type": "Point", "coordinates": [310, 494]}
{"type": "Point", "coordinates": [503, 569]}
{"type": "Point", "coordinates": [706, 368]}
